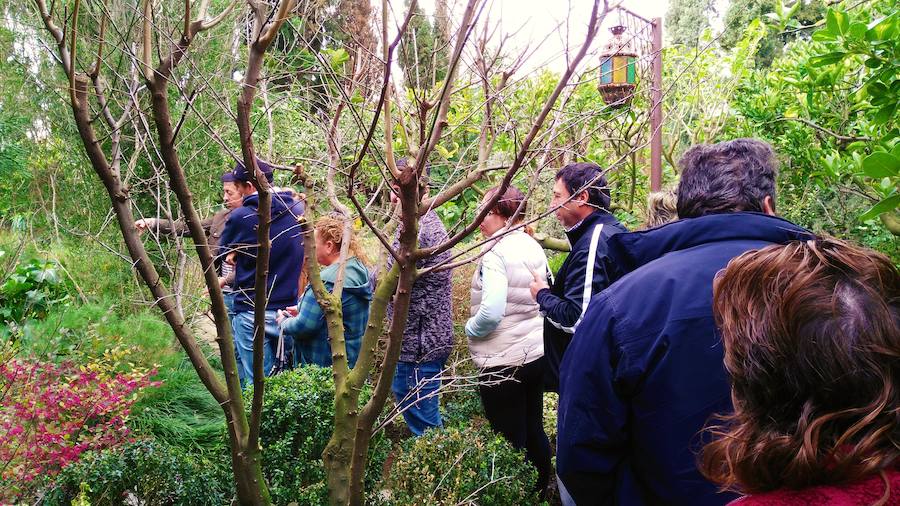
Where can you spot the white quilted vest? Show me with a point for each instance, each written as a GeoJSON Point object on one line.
{"type": "Point", "coordinates": [519, 338]}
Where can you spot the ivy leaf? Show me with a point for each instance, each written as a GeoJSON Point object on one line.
{"type": "Point", "coordinates": [882, 28]}
{"type": "Point", "coordinates": [857, 31]}
{"type": "Point", "coordinates": [873, 62]}
{"type": "Point", "coordinates": [823, 35]}
{"type": "Point", "coordinates": [888, 204]}
{"type": "Point", "coordinates": [881, 164]}
{"type": "Point", "coordinates": [838, 22]}
{"type": "Point", "coordinates": [876, 22]}
{"type": "Point", "coordinates": [875, 88]}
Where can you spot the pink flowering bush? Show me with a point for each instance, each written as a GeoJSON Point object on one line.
{"type": "Point", "coordinates": [51, 413]}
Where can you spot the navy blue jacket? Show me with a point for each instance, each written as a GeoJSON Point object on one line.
{"type": "Point", "coordinates": [644, 372]}
{"type": "Point", "coordinates": [285, 259]}
{"type": "Point", "coordinates": [564, 303]}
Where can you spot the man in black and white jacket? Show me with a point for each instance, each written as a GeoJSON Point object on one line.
{"type": "Point", "coordinates": [585, 273]}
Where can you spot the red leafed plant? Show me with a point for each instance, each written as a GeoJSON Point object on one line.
{"type": "Point", "coordinates": [51, 413]}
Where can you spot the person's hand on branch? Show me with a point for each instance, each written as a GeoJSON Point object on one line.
{"type": "Point", "coordinates": [538, 283]}
{"type": "Point", "coordinates": [144, 223]}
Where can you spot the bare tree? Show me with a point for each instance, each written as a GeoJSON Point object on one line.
{"type": "Point", "coordinates": [345, 455]}
{"type": "Point", "coordinates": [90, 98]}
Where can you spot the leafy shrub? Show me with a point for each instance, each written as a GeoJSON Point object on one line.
{"type": "Point", "coordinates": [461, 407]}
{"type": "Point", "coordinates": [298, 417]}
{"type": "Point", "coordinates": [461, 466]}
{"type": "Point", "coordinates": [181, 412]}
{"type": "Point", "coordinates": [145, 472]}
{"type": "Point", "coordinates": [28, 292]}
{"type": "Point", "coordinates": [551, 408]}
{"type": "Point", "coordinates": [556, 261]}
{"type": "Point", "coordinates": [52, 413]}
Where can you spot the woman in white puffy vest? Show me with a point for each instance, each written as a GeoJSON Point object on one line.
{"type": "Point", "coordinates": [506, 332]}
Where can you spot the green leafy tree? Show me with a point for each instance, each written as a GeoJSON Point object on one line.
{"type": "Point", "coordinates": [829, 104]}
{"type": "Point", "coordinates": [423, 51]}
{"type": "Point", "coordinates": [686, 21]}
{"type": "Point", "coordinates": [741, 12]}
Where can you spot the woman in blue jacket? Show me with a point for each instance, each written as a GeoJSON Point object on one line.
{"type": "Point", "coordinates": [308, 327]}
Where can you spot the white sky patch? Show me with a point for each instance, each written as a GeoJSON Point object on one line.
{"type": "Point", "coordinates": [548, 26]}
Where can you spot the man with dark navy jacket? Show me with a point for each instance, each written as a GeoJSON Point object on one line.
{"type": "Point", "coordinates": [582, 200]}
{"type": "Point", "coordinates": [644, 372]}
{"type": "Point", "coordinates": [285, 262]}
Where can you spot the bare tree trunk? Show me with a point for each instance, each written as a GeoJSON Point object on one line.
{"type": "Point", "coordinates": [245, 458]}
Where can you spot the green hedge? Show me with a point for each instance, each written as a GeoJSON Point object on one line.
{"type": "Point", "coordinates": [146, 472]}
{"type": "Point", "coordinates": [470, 465]}
{"type": "Point", "coordinates": [298, 417]}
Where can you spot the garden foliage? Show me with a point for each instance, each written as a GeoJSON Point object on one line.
{"type": "Point", "coordinates": [829, 105]}
{"type": "Point", "coordinates": [28, 291]}
{"type": "Point", "coordinates": [52, 413]}
{"type": "Point", "coordinates": [469, 465]}
{"type": "Point", "coordinates": [297, 420]}
{"type": "Point", "coordinates": [144, 472]}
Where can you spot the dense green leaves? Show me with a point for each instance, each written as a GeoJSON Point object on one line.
{"type": "Point", "coordinates": [28, 291]}
{"type": "Point", "coordinates": [830, 105]}
{"type": "Point", "coordinates": [881, 165]}
{"type": "Point", "coordinates": [468, 465]}
{"type": "Point", "coordinates": [882, 207]}
{"type": "Point", "coordinates": [298, 416]}
{"type": "Point", "coordinates": [144, 472]}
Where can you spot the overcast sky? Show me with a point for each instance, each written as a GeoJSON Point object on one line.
{"type": "Point", "coordinates": [536, 19]}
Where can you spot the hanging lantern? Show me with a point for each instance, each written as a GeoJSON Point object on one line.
{"type": "Point", "coordinates": [617, 70]}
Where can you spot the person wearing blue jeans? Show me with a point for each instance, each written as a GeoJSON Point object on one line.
{"type": "Point", "coordinates": [239, 245]}
{"type": "Point", "coordinates": [428, 336]}
{"type": "Point", "coordinates": [242, 326]}
{"type": "Point", "coordinates": [229, 306]}
{"type": "Point", "coordinates": [416, 388]}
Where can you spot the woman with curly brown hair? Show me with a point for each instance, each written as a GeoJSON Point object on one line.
{"type": "Point", "coordinates": [812, 343]}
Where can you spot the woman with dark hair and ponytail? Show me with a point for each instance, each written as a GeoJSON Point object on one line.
{"type": "Point", "coordinates": [812, 344]}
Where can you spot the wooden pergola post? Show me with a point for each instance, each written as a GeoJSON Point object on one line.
{"type": "Point", "coordinates": [656, 113]}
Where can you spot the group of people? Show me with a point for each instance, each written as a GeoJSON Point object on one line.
{"type": "Point", "coordinates": [725, 353]}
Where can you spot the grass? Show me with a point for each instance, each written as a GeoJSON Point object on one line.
{"type": "Point", "coordinates": [181, 412]}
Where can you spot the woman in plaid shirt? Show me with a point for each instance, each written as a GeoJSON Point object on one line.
{"type": "Point", "coordinates": [308, 328]}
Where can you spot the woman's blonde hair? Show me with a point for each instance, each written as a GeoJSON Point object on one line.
{"type": "Point", "coordinates": [331, 228]}
{"type": "Point", "coordinates": [661, 208]}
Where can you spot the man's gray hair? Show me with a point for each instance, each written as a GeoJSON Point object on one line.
{"type": "Point", "coordinates": [727, 177]}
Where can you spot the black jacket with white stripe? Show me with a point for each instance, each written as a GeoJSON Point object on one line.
{"type": "Point", "coordinates": [564, 303]}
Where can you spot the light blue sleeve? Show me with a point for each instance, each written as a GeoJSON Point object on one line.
{"type": "Point", "coordinates": [494, 286]}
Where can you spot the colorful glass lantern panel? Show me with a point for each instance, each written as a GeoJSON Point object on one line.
{"type": "Point", "coordinates": [618, 72]}
{"type": "Point", "coordinates": [618, 69]}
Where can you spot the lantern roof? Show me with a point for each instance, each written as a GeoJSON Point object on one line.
{"type": "Point", "coordinates": [617, 45]}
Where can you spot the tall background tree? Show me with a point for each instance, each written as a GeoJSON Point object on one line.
{"type": "Point", "coordinates": [686, 20]}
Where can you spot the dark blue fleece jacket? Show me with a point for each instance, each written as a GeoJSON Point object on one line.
{"type": "Point", "coordinates": [285, 260]}
{"type": "Point", "coordinates": [644, 372]}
